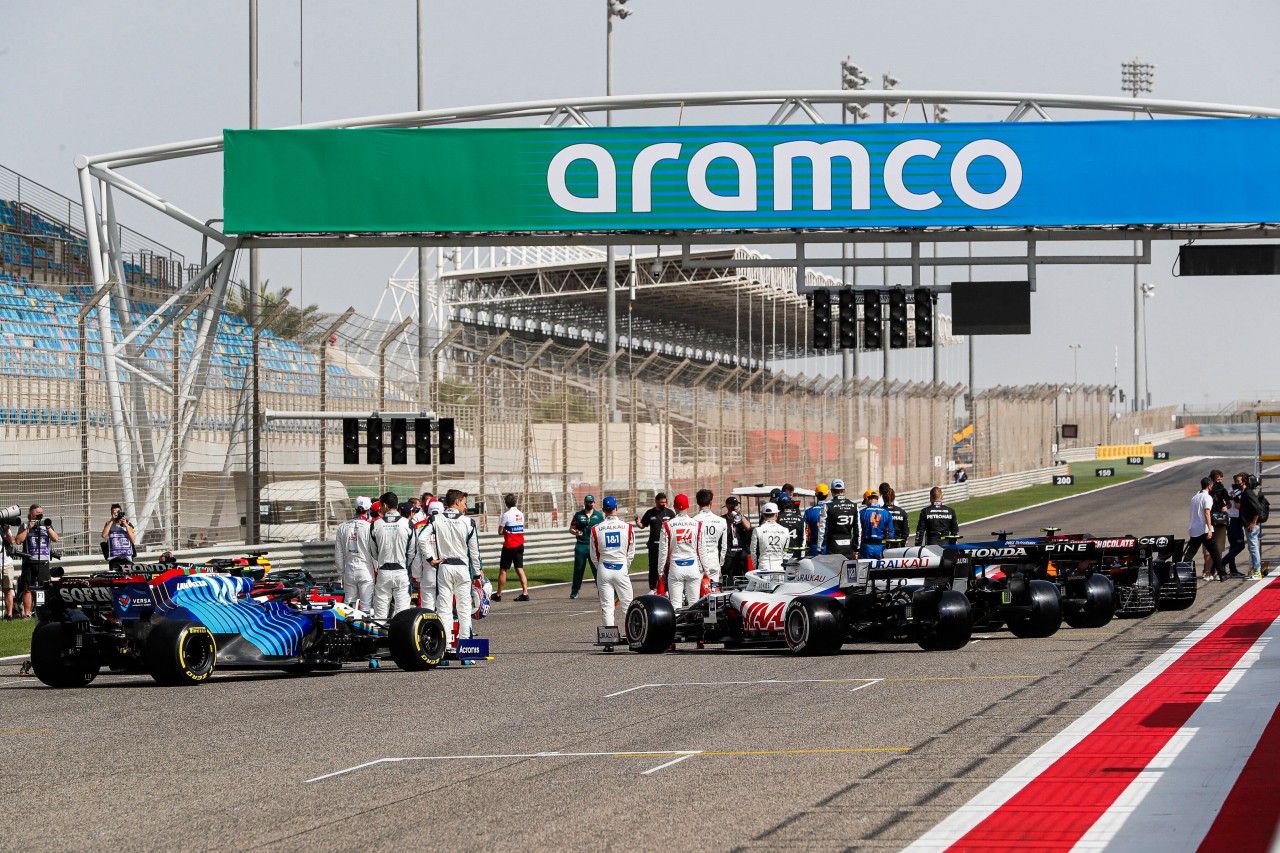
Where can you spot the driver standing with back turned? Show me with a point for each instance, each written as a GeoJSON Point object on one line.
{"type": "Point", "coordinates": [613, 547]}
{"type": "Point", "coordinates": [839, 531]}
{"type": "Point", "coordinates": [936, 521]}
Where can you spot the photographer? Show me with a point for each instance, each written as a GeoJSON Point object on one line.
{"type": "Point", "coordinates": [119, 544]}
{"type": "Point", "coordinates": [35, 536]}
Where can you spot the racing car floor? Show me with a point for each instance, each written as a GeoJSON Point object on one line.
{"type": "Point", "coordinates": [555, 744]}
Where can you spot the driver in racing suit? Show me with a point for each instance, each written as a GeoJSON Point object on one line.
{"type": "Point", "coordinates": [813, 520]}
{"type": "Point", "coordinates": [680, 555]}
{"type": "Point", "coordinates": [613, 547]}
{"type": "Point", "coordinates": [453, 544]}
{"type": "Point", "coordinates": [790, 517]}
{"type": "Point", "coordinates": [769, 541]}
{"type": "Point", "coordinates": [876, 524]}
{"type": "Point", "coordinates": [392, 540]}
{"type": "Point", "coordinates": [936, 521]}
{"type": "Point", "coordinates": [715, 536]}
{"type": "Point", "coordinates": [838, 531]}
{"type": "Point", "coordinates": [423, 569]}
{"type": "Point", "coordinates": [353, 556]}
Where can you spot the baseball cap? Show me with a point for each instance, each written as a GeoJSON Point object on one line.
{"type": "Point", "coordinates": [822, 489]}
{"type": "Point", "coordinates": [869, 494]}
{"type": "Point", "coordinates": [589, 499]}
{"type": "Point", "coordinates": [610, 503]}
{"type": "Point", "coordinates": [363, 502]}
{"type": "Point", "coordinates": [435, 507]}
{"type": "Point", "coordinates": [837, 484]}
{"type": "Point", "coordinates": [731, 501]}
{"type": "Point", "coordinates": [681, 502]}
{"type": "Point", "coordinates": [770, 508]}
{"type": "Point", "coordinates": [784, 499]}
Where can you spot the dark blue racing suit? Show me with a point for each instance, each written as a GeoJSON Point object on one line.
{"type": "Point", "coordinates": [877, 526]}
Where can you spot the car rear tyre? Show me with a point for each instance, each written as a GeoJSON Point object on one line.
{"type": "Point", "coordinates": [181, 653]}
{"type": "Point", "coordinates": [54, 659]}
{"type": "Point", "coordinates": [953, 624]}
{"type": "Point", "coordinates": [651, 624]}
{"type": "Point", "coordinates": [1046, 613]}
{"type": "Point", "coordinates": [812, 625]}
{"type": "Point", "coordinates": [416, 639]}
{"type": "Point", "coordinates": [1096, 605]}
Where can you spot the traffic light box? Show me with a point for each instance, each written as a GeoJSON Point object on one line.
{"type": "Point", "coordinates": [897, 319]}
{"type": "Point", "coordinates": [822, 319]}
{"type": "Point", "coordinates": [399, 427]}
{"type": "Point", "coordinates": [872, 321]}
{"type": "Point", "coordinates": [847, 320]}
{"type": "Point", "coordinates": [924, 317]}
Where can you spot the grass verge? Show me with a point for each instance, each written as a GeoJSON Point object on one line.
{"type": "Point", "coordinates": [15, 636]}
{"type": "Point", "coordinates": [545, 573]}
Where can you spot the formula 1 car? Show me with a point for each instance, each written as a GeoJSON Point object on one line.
{"type": "Point", "coordinates": [1144, 570]}
{"type": "Point", "coordinates": [819, 604]}
{"type": "Point", "coordinates": [1011, 593]}
{"type": "Point", "coordinates": [180, 624]}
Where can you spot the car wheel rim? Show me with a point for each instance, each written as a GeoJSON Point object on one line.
{"type": "Point", "coordinates": [196, 652]}
{"type": "Point", "coordinates": [796, 626]}
{"type": "Point", "coordinates": [430, 641]}
{"type": "Point", "coordinates": [636, 625]}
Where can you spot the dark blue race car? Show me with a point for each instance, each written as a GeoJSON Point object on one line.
{"type": "Point", "coordinates": [180, 624]}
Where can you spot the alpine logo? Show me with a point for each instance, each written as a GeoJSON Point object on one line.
{"type": "Point", "coordinates": [762, 616]}
{"type": "Point", "coordinates": [1067, 547]}
{"type": "Point", "coordinates": [997, 553]}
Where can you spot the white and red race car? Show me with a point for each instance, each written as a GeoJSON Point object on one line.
{"type": "Point", "coordinates": [820, 603]}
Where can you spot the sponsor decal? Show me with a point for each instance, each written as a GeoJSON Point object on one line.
{"type": "Point", "coordinates": [188, 585]}
{"type": "Point", "coordinates": [996, 553]}
{"type": "Point", "coordinates": [1116, 543]}
{"type": "Point", "coordinates": [608, 636]}
{"type": "Point", "coordinates": [762, 616]}
{"type": "Point", "coordinates": [903, 563]}
{"type": "Point", "coordinates": [85, 595]}
{"type": "Point", "coordinates": [1156, 541]}
{"type": "Point", "coordinates": [473, 649]}
{"type": "Point", "coordinates": [1067, 547]}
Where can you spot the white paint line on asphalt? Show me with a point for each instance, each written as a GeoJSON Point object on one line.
{"type": "Point", "coordinates": [672, 762]}
{"type": "Point", "coordinates": [747, 683]}
{"type": "Point", "coordinates": [869, 683]}
{"type": "Point", "coordinates": [511, 756]}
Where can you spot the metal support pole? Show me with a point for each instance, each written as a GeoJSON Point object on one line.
{"type": "Point", "coordinates": [382, 389]}
{"type": "Point", "coordinates": [175, 416]}
{"type": "Point", "coordinates": [325, 343]}
{"type": "Point", "coordinates": [252, 485]}
{"type": "Point", "coordinates": [424, 345]}
{"type": "Point", "coordinates": [611, 253]}
{"type": "Point", "coordinates": [1138, 397]}
{"type": "Point", "coordinates": [86, 486]}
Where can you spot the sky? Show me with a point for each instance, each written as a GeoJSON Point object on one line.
{"type": "Point", "coordinates": [93, 77]}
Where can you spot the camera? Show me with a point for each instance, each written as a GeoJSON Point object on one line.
{"type": "Point", "coordinates": [10, 515]}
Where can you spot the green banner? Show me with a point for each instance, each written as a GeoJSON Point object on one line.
{"type": "Point", "coordinates": [722, 178]}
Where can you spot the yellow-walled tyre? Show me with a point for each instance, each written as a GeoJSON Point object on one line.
{"type": "Point", "coordinates": [416, 639]}
{"type": "Point", "coordinates": [181, 653]}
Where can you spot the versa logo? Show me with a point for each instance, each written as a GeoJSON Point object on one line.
{"type": "Point", "coordinates": [784, 155]}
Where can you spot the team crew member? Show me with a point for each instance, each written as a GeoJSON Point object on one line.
{"type": "Point", "coordinates": [613, 547]}
{"type": "Point", "coordinates": [936, 521]}
{"type": "Point", "coordinates": [715, 535]}
{"type": "Point", "coordinates": [652, 521]}
{"type": "Point", "coordinates": [876, 526]}
{"type": "Point", "coordinates": [769, 542]}
{"type": "Point", "coordinates": [735, 564]}
{"type": "Point", "coordinates": [901, 525]}
{"type": "Point", "coordinates": [423, 568]}
{"type": "Point", "coordinates": [511, 526]}
{"type": "Point", "coordinates": [35, 537]}
{"type": "Point", "coordinates": [838, 531]}
{"type": "Point", "coordinates": [353, 556]}
{"type": "Point", "coordinates": [392, 540]}
{"type": "Point", "coordinates": [583, 520]}
{"type": "Point", "coordinates": [120, 541]}
{"type": "Point", "coordinates": [680, 555]}
{"type": "Point", "coordinates": [813, 521]}
{"type": "Point", "coordinates": [791, 518]}
{"type": "Point", "coordinates": [454, 546]}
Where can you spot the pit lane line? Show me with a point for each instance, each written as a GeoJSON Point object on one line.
{"type": "Point", "coordinates": [862, 682]}
{"type": "Point", "coordinates": [679, 756]}
{"type": "Point", "coordinates": [1085, 754]}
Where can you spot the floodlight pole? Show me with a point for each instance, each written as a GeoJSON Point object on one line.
{"type": "Point", "coordinates": [1136, 77]}
{"type": "Point", "coordinates": [611, 254]}
{"type": "Point", "coordinates": [324, 407]}
{"type": "Point", "coordinates": [424, 346]}
{"type": "Point", "coordinates": [254, 434]}
{"type": "Point", "coordinates": [382, 388]}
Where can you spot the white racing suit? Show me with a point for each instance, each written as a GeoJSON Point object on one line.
{"type": "Point", "coordinates": [392, 543]}
{"type": "Point", "coordinates": [680, 557]}
{"type": "Point", "coordinates": [422, 569]}
{"type": "Point", "coordinates": [769, 546]}
{"type": "Point", "coordinates": [453, 540]}
{"type": "Point", "coordinates": [353, 555]}
{"type": "Point", "coordinates": [613, 547]}
{"type": "Point", "coordinates": [715, 543]}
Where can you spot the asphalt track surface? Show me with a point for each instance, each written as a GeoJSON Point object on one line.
{"type": "Point", "coordinates": [555, 745]}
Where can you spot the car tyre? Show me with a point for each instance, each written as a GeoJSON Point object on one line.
{"type": "Point", "coordinates": [1097, 606]}
{"type": "Point", "coordinates": [416, 639]}
{"type": "Point", "coordinates": [1046, 613]}
{"type": "Point", "coordinates": [953, 624]}
{"type": "Point", "coordinates": [180, 653]}
{"type": "Point", "coordinates": [53, 660]}
{"type": "Point", "coordinates": [651, 624]}
{"type": "Point", "coordinates": [812, 625]}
